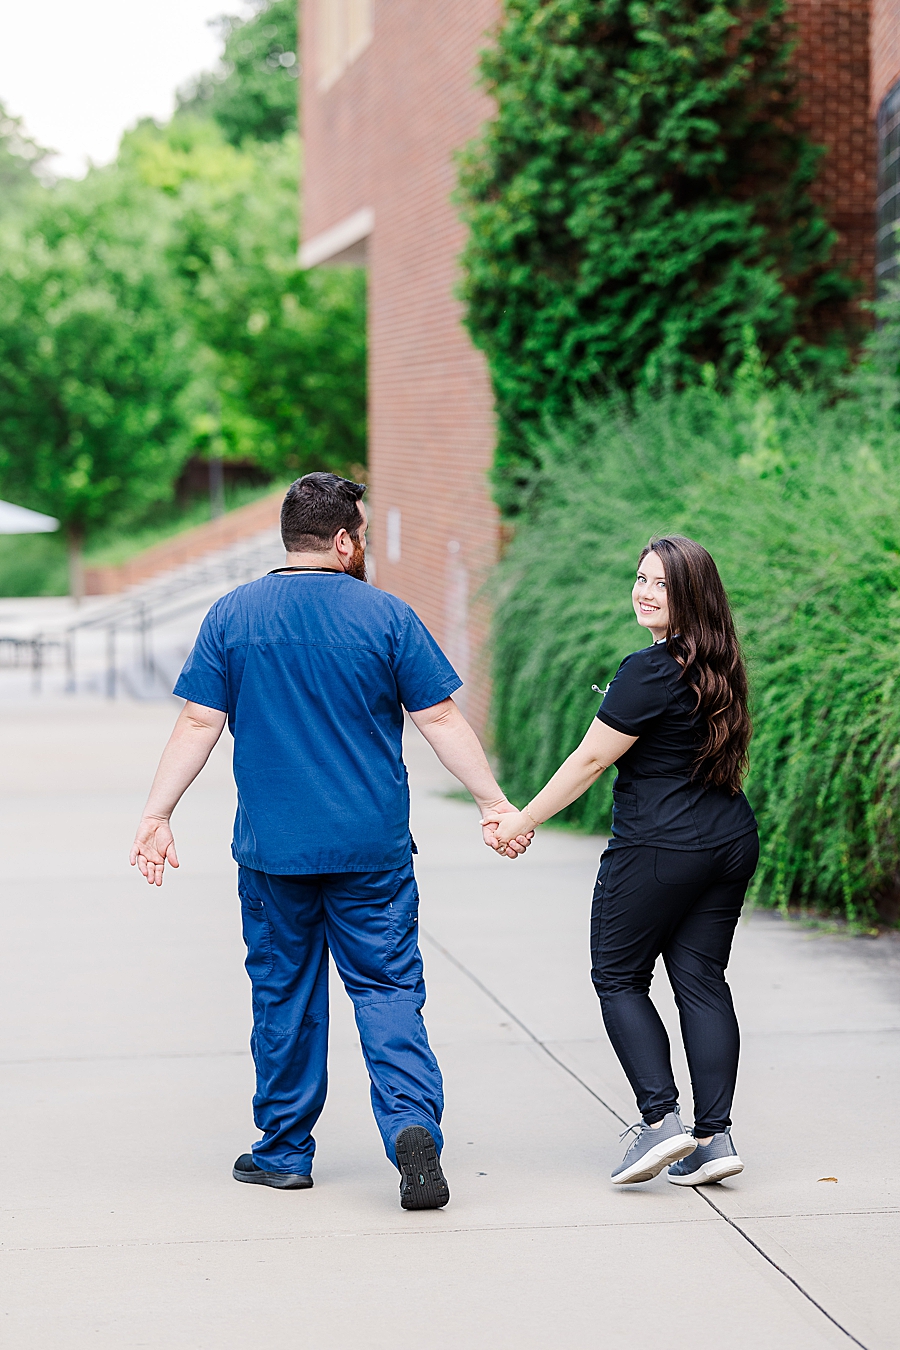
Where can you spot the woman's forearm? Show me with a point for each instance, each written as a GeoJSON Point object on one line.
{"type": "Point", "coordinates": [601, 747]}
{"type": "Point", "coordinates": [571, 780]}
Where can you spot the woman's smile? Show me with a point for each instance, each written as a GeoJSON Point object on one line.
{"type": "Point", "coordinates": [649, 597]}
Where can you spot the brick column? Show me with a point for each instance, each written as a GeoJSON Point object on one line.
{"type": "Point", "coordinates": [833, 62]}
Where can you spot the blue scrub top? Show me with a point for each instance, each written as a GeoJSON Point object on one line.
{"type": "Point", "coordinates": [314, 670]}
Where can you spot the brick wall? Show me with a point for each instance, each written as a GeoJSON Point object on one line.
{"type": "Point", "coordinates": [833, 62]}
{"type": "Point", "coordinates": [383, 136]}
{"type": "Point", "coordinates": [885, 47]}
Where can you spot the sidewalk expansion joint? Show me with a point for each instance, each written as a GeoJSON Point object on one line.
{"type": "Point", "coordinates": [350, 1234]}
{"type": "Point", "coordinates": [781, 1271]}
{"type": "Point", "coordinates": [696, 1189]}
{"type": "Point", "coordinates": [115, 1059]}
{"type": "Point", "coordinates": [820, 1214]}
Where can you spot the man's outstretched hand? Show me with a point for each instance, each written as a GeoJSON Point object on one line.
{"type": "Point", "coordinates": [508, 843]}
{"type": "Point", "coordinates": [153, 847]}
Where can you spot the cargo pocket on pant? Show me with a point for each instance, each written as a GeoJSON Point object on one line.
{"type": "Point", "coordinates": [600, 887]}
{"type": "Point", "coordinates": [257, 937]}
{"type": "Point", "coordinates": [403, 916]}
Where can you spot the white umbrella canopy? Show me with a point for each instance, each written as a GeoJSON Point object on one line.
{"type": "Point", "coordinates": [19, 520]}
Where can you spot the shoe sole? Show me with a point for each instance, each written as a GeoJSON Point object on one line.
{"type": "Point", "coordinates": [655, 1159]}
{"type": "Point", "coordinates": [422, 1183]}
{"type": "Point", "coordinates": [289, 1182]}
{"type": "Point", "coordinates": [716, 1170]}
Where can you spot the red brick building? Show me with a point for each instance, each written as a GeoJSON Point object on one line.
{"type": "Point", "coordinates": [389, 96]}
{"type": "Point", "coordinates": [884, 110]}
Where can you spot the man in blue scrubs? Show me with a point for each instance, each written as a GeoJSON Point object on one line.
{"type": "Point", "coordinates": [312, 670]}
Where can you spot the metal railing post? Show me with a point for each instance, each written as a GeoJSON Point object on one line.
{"type": "Point", "coordinates": [145, 628]}
{"type": "Point", "coordinates": [37, 658]}
{"type": "Point", "coordinates": [71, 682]}
{"type": "Point", "coordinates": [111, 661]}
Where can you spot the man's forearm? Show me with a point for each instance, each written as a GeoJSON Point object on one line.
{"type": "Point", "coordinates": [459, 750]}
{"type": "Point", "coordinates": [189, 747]}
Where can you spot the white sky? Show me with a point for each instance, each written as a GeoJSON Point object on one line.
{"type": "Point", "coordinates": [82, 71]}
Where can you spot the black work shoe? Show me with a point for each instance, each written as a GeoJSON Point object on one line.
{"type": "Point", "coordinates": [422, 1183]}
{"type": "Point", "coordinates": [245, 1169]}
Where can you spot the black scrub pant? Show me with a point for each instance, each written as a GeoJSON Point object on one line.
{"type": "Point", "coordinates": [685, 907]}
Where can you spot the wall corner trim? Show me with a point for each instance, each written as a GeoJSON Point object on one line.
{"type": "Point", "coordinates": [349, 231]}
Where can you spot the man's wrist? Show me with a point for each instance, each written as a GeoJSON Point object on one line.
{"type": "Point", "coordinates": [496, 804]}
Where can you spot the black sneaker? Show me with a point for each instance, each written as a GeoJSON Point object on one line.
{"type": "Point", "coordinates": [245, 1169]}
{"type": "Point", "coordinates": [422, 1183]}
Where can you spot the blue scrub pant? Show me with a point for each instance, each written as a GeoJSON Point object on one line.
{"type": "Point", "coordinates": [369, 922]}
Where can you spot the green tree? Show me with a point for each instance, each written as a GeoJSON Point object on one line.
{"type": "Point", "coordinates": [156, 310]}
{"type": "Point", "coordinates": [283, 378]}
{"type": "Point", "coordinates": [255, 93]}
{"type": "Point", "coordinates": [639, 201]}
{"type": "Point", "coordinates": [94, 358]}
{"type": "Point", "coordinates": [22, 164]}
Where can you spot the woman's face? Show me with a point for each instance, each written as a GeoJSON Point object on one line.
{"type": "Point", "coordinates": [651, 605]}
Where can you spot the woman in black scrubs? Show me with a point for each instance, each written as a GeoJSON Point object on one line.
{"type": "Point", "coordinates": [684, 846]}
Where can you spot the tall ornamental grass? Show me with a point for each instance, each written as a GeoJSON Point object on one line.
{"type": "Point", "coordinates": [799, 503]}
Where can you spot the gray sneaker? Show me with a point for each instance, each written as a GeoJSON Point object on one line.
{"type": "Point", "coordinates": [709, 1162]}
{"type": "Point", "coordinates": [653, 1150]}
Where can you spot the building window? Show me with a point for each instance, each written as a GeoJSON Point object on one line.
{"type": "Point", "coordinates": [345, 29]}
{"type": "Point", "coordinates": [888, 205]}
{"type": "Point", "coordinates": [393, 535]}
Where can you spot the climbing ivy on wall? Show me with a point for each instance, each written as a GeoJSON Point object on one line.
{"type": "Point", "coordinates": [638, 207]}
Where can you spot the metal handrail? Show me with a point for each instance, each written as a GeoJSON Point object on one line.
{"type": "Point", "coordinates": [140, 611]}
{"type": "Point", "coordinates": [163, 600]}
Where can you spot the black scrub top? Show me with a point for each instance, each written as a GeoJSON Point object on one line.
{"type": "Point", "coordinates": [655, 799]}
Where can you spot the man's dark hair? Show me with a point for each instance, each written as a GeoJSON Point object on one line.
{"type": "Point", "coordinates": [316, 508]}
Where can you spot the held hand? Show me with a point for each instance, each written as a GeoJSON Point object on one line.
{"type": "Point", "coordinates": [510, 826]}
{"type": "Point", "coordinates": [153, 847]}
{"type": "Point", "coordinates": [512, 842]}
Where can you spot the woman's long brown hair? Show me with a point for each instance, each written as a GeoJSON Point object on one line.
{"type": "Point", "coordinates": [702, 639]}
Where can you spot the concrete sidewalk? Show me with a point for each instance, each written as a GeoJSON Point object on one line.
{"type": "Point", "coordinates": [127, 1083]}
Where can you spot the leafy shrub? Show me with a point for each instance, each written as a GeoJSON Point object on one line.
{"type": "Point", "coordinates": [639, 199]}
{"type": "Point", "coordinates": [800, 505]}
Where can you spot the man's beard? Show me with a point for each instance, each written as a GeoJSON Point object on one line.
{"type": "Point", "coordinates": [357, 565]}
